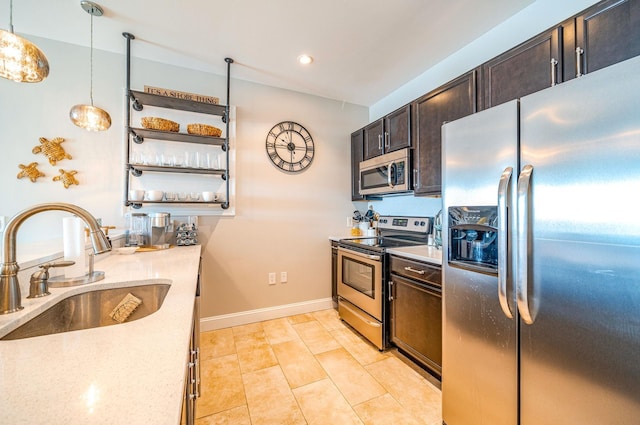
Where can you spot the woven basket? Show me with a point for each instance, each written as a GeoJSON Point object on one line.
{"type": "Point", "coordinates": [154, 123]}
{"type": "Point", "coordinates": [204, 130]}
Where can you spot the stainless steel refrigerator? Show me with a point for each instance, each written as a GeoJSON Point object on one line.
{"type": "Point", "coordinates": [541, 257]}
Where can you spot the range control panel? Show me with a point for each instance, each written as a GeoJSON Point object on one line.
{"type": "Point", "coordinates": [411, 224]}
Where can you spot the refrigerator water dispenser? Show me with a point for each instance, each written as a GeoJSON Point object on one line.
{"type": "Point", "coordinates": [472, 238]}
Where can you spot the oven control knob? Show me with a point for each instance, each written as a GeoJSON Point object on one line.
{"type": "Point", "coordinates": [422, 223]}
{"type": "Point", "coordinates": [416, 223]}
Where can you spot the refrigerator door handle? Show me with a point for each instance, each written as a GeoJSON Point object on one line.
{"type": "Point", "coordinates": [503, 225]}
{"type": "Point", "coordinates": [524, 185]}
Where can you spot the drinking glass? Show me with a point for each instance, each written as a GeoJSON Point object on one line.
{"type": "Point", "coordinates": [192, 159]}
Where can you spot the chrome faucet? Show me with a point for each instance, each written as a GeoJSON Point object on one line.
{"type": "Point", "coordinates": [10, 299]}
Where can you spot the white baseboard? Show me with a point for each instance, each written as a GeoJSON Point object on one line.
{"type": "Point", "coordinates": [269, 313]}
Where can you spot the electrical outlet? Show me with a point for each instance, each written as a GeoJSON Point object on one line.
{"type": "Point", "coordinates": [283, 277]}
{"type": "Point", "coordinates": [272, 278]}
{"type": "Point", "coordinates": [349, 221]}
{"type": "Point", "coordinates": [3, 222]}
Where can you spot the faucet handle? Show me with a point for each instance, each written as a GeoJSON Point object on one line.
{"type": "Point", "coordinates": [39, 286]}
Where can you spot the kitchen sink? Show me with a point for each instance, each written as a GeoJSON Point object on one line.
{"type": "Point", "coordinates": [91, 310]}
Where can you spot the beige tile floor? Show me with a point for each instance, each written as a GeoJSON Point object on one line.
{"type": "Point", "coordinates": [308, 369]}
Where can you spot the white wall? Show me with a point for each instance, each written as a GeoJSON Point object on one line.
{"type": "Point", "coordinates": [532, 20]}
{"type": "Point", "coordinates": [282, 221]}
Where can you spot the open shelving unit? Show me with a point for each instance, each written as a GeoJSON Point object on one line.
{"type": "Point", "coordinates": [137, 100]}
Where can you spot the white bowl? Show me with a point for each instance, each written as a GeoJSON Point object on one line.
{"type": "Point", "coordinates": [155, 195]}
{"type": "Point", "coordinates": [136, 195]}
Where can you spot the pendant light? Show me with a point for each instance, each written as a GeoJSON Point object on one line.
{"type": "Point", "coordinates": [20, 59]}
{"type": "Point", "coordinates": [90, 117]}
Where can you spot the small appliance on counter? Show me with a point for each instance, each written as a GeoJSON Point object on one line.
{"type": "Point", "coordinates": [137, 233]}
{"type": "Point", "coordinates": [153, 230]}
{"type": "Point", "coordinates": [160, 230]}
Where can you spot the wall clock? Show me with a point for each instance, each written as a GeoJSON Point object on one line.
{"type": "Point", "coordinates": [290, 146]}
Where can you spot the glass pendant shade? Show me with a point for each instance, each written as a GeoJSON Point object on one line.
{"type": "Point", "coordinates": [21, 60]}
{"type": "Point", "coordinates": [90, 117]}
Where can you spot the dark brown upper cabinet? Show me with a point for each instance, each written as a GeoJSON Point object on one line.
{"type": "Point", "coordinates": [373, 135]}
{"type": "Point", "coordinates": [357, 145]}
{"type": "Point", "coordinates": [389, 133]}
{"type": "Point", "coordinates": [454, 100]}
{"type": "Point", "coordinates": [532, 66]}
{"type": "Point", "coordinates": [604, 34]}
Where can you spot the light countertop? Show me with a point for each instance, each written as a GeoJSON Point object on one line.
{"type": "Point", "coordinates": [426, 253]}
{"type": "Point", "coordinates": [129, 373]}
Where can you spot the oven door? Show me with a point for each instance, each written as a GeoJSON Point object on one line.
{"type": "Point", "coordinates": [360, 280]}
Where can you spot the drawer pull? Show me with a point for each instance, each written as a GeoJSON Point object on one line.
{"type": "Point", "coordinates": [409, 269]}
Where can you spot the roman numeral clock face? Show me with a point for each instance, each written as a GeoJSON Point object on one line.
{"type": "Point", "coordinates": [290, 146]}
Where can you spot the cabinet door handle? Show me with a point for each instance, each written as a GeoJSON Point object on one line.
{"type": "Point", "coordinates": [415, 178]}
{"type": "Point", "coordinates": [379, 142]}
{"type": "Point", "coordinates": [386, 139]}
{"type": "Point", "coordinates": [197, 382]}
{"type": "Point", "coordinates": [579, 53]}
{"type": "Point", "coordinates": [410, 269]}
{"type": "Point", "coordinates": [554, 70]}
{"type": "Point", "coordinates": [390, 290]}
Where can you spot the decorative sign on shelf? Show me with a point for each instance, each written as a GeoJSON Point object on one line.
{"type": "Point", "coordinates": [182, 95]}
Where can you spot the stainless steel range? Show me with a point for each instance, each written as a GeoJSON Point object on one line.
{"type": "Point", "coordinates": [363, 270]}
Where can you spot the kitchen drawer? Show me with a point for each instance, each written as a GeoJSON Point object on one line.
{"type": "Point", "coordinates": [422, 272]}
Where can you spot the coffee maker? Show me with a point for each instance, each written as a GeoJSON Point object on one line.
{"type": "Point", "coordinates": [160, 230]}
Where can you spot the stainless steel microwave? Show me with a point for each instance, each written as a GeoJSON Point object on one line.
{"type": "Point", "coordinates": [386, 174]}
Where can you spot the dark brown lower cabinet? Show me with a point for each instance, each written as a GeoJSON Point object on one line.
{"type": "Point", "coordinates": [416, 312]}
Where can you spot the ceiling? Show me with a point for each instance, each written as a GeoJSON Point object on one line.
{"type": "Point", "coordinates": [363, 49]}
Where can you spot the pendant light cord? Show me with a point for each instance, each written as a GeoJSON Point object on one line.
{"type": "Point", "coordinates": [11, 16]}
{"type": "Point", "coordinates": [91, 63]}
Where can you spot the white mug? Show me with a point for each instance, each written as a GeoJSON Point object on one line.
{"type": "Point", "coordinates": [208, 196]}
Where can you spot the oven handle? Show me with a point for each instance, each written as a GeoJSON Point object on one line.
{"type": "Point", "coordinates": [359, 254]}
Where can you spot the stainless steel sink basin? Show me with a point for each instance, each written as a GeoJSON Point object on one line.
{"type": "Point", "coordinates": [91, 310]}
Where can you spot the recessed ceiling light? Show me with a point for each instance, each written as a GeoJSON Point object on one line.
{"type": "Point", "coordinates": [305, 59]}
